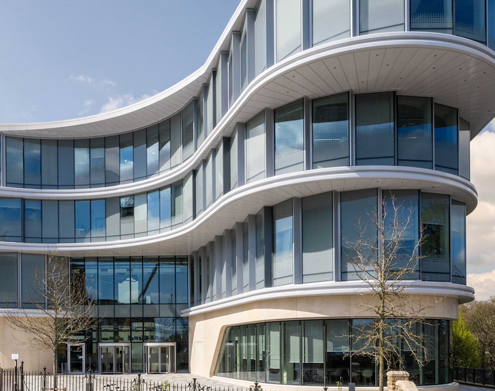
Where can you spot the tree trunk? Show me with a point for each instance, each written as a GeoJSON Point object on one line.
{"type": "Point", "coordinates": [55, 378]}
{"type": "Point", "coordinates": [381, 362]}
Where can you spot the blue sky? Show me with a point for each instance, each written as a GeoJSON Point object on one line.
{"type": "Point", "coordinates": [65, 59]}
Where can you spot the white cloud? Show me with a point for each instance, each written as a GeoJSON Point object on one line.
{"type": "Point", "coordinates": [483, 284]}
{"type": "Point", "coordinates": [92, 81]}
{"type": "Point", "coordinates": [120, 101]}
{"type": "Point", "coordinates": [87, 106]}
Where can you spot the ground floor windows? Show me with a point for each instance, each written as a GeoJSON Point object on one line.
{"type": "Point", "coordinates": [318, 352]}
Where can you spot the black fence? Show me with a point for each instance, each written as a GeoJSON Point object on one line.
{"type": "Point", "coordinates": [11, 380]}
{"type": "Point", "coordinates": [479, 377]}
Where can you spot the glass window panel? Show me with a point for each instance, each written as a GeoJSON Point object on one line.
{"type": "Point", "coordinates": [233, 160]}
{"type": "Point", "coordinates": [414, 132]}
{"type": "Point", "coordinates": [435, 264]}
{"type": "Point", "coordinates": [65, 164]}
{"type": "Point", "coordinates": [260, 39]}
{"type": "Point", "coordinates": [164, 129]}
{"type": "Point", "coordinates": [188, 197]}
{"type": "Point", "coordinates": [446, 139]}
{"type": "Point", "coordinates": [291, 365]}
{"type": "Point", "coordinates": [66, 221]}
{"type": "Point", "coordinates": [331, 131]}
{"type": "Point", "coordinates": [491, 25]}
{"type": "Point", "coordinates": [245, 257]}
{"type": "Point", "coordinates": [122, 281]}
{"type": "Point", "coordinates": [126, 158]}
{"type": "Point", "coordinates": [458, 221]}
{"type": "Point", "coordinates": [255, 148]}
{"type": "Point", "coordinates": [81, 163]}
{"type": "Point", "coordinates": [176, 204]}
{"type": "Point", "coordinates": [289, 138]}
{"type": "Point", "coordinates": [231, 80]}
{"type": "Point", "coordinates": [219, 171]}
{"type": "Point", "coordinates": [188, 131]}
{"type": "Point", "coordinates": [470, 19]}
{"type": "Point", "coordinates": [464, 149]}
{"type": "Point", "coordinates": [331, 20]}
{"type": "Point", "coordinates": [175, 143]}
{"type": "Point", "coordinates": [431, 15]}
{"type": "Point", "coordinates": [153, 213]}
{"type": "Point", "coordinates": [8, 280]}
{"type": "Point", "coordinates": [317, 233]}
{"type": "Point", "coordinates": [358, 209]}
{"type": "Point", "coordinates": [136, 279]}
{"type": "Point", "coordinates": [244, 60]}
{"type": "Point", "coordinates": [167, 280]}
{"type": "Point", "coordinates": [49, 159]}
{"type": "Point", "coordinates": [98, 218]}
{"type": "Point", "coordinates": [287, 27]}
{"type": "Point", "coordinates": [199, 179]}
{"type": "Point", "coordinates": [152, 154]}
{"type": "Point", "coordinates": [360, 331]}
{"type": "Point", "coordinates": [181, 280]}
{"type": "Point", "coordinates": [82, 221]}
{"type": "Point", "coordinates": [10, 220]}
{"type": "Point", "coordinates": [15, 161]}
{"type": "Point", "coordinates": [312, 353]}
{"type": "Point", "coordinates": [209, 183]}
{"type": "Point", "coordinates": [113, 218]}
{"type": "Point", "coordinates": [260, 250]}
{"type": "Point", "coordinates": [32, 220]}
{"type": "Point", "coordinates": [150, 291]}
{"type": "Point", "coordinates": [401, 230]}
{"type": "Point", "coordinates": [32, 276]}
{"type": "Point", "coordinates": [200, 118]}
{"type": "Point", "coordinates": [165, 209]}
{"type": "Point", "coordinates": [112, 160]}
{"type": "Point", "coordinates": [140, 153]}
{"type": "Point", "coordinates": [282, 244]}
{"type": "Point", "coordinates": [140, 214]}
{"type": "Point", "coordinates": [337, 355]}
{"type": "Point", "coordinates": [376, 16]}
{"type": "Point", "coordinates": [375, 129]}
{"type": "Point", "coordinates": [91, 274]}
{"type": "Point", "coordinates": [127, 216]}
{"type": "Point", "coordinates": [32, 163]}
{"type": "Point", "coordinates": [273, 373]}
{"type": "Point", "coordinates": [217, 93]}
{"type": "Point", "coordinates": [209, 110]}
{"type": "Point", "coordinates": [50, 221]}
{"type": "Point", "coordinates": [97, 162]}
{"type": "Point", "coordinates": [105, 281]}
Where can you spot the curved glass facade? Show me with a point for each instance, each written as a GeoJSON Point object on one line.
{"type": "Point", "coordinates": [322, 351]}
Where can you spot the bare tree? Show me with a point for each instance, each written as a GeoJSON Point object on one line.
{"type": "Point", "coordinates": [385, 255]}
{"type": "Point", "coordinates": [64, 310]}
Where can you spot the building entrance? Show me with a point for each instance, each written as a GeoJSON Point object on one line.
{"type": "Point", "coordinates": [76, 354]}
{"type": "Point", "coordinates": [114, 358]}
{"type": "Point", "coordinates": [160, 358]}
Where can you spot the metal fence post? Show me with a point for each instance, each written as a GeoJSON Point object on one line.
{"type": "Point", "coordinates": [22, 375]}
{"type": "Point", "coordinates": [44, 378]}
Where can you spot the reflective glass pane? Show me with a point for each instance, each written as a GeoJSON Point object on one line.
{"type": "Point", "coordinates": [199, 189]}
{"type": "Point", "coordinates": [260, 39]}
{"type": "Point", "coordinates": [140, 215]}
{"type": "Point", "coordinates": [287, 27]}
{"type": "Point", "coordinates": [331, 131]}
{"type": "Point", "coordinates": [113, 218]}
{"type": "Point", "coordinates": [289, 138]}
{"type": "Point", "coordinates": [15, 161]}
{"type": "Point", "coordinates": [126, 158]}
{"type": "Point", "coordinates": [122, 281]}
{"type": "Point", "coordinates": [244, 60]}
{"type": "Point", "coordinates": [49, 159]}
{"type": "Point", "coordinates": [188, 131]}
{"type": "Point", "coordinates": [470, 19]}
{"type": "Point", "coordinates": [32, 277]}
{"type": "Point", "coordinates": [291, 364]}
{"type": "Point", "coordinates": [65, 164]}
{"type": "Point", "coordinates": [446, 139]}
{"type": "Point", "coordinates": [219, 165]}
{"type": "Point", "coordinates": [312, 353]}
{"type": "Point", "coordinates": [209, 183]}
{"type": "Point", "coordinates": [432, 15]}
{"type": "Point", "coordinates": [153, 212]}
{"type": "Point", "coordinates": [8, 280]}
{"type": "Point", "coordinates": [260, 250]}
{"type": "Point", "coordinates": [32, 220]}
{"type": "Point", "coordinates": [150, 291]}
{"type": "Point", "coordinates": [282, 270]}
{"type": "Point", "coordinates": [152, 154]}
{"type": "Point", "coordinates": [139, 154]}
{"type": "Point", "coordinates": [10, 220]}
{"type": "Point", "coordinates": [50, 221]}
{"type": "Point", "coordinates": [358, 209]}
{"type": "Point", "coordinates": [91, 275]}
{"type": "Point", "coordinates": [83, 224]}
{"type": "Point", "coordinates": [66, 221]}
{"type": "Point", "coordinates": [337, 354]}
{"type": "Point", "coordinates": [112, 160]}
{"type": "Point", "coordinates": [127, 216]}
{"type": "Point", "coordinates": [273, 351]}
{"type": "Point", "coordinates": [435, 264]}
{"type": "Point", "coordinates": [234, 156]}
{"type": "Point", "coordinates": [377, 16]}
{"type": "Point", "coordinates": [375, 129]}
{"type": "Point", "coordinates": [317, 233]}
{"type": "Point", "coordinates": [165, 209]}
{"type": "Point", "coordinates": [414, 132]}
{"type": "Point", "coordinates": [458, 223]}
{"type": "Point", "coordinates": [105, 281]}
{"type": "Point", "coordinates": [464, 149]}
{"type": "Point", "coordinates": [167, 280]}
{"type": "Point", "coordinates": [136, 279]}
{"type": "Point", "coordinates": [164, 130]}
{"type": "Point", "coordinates": [175, 140]}
{"type": "Point", "coordinates": [98, 218]}
{"type": "Point", "coordinates": [81, 163]}
{"type": "Point", "coordinates": [32, 163]}
{"type": "Point", "coordinates": [255, 148]}
{"type": "Point", "coordinates": [331, 20]}
{"type": "Point", "coordinates": [200, 118]}
{"type": "Point", "coordinates": [176, 204]}
{"type": "Point", "coordinates": [181, 280]}
{"type": "Point", "coordinates": [97, 162]}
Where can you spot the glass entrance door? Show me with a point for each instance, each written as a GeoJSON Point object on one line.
{"type": "Point", "coordinates": [76, 358]}
{"type": "Point", "coordinates": [161, 358]}
{"type": "Point", "coordinates": [114, 358]}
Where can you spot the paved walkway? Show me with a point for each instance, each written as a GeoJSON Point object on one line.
{"type": "Point", "coordinates": [463, 387]}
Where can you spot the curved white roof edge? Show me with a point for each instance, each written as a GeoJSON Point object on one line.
{"type": "Point", "coordinates": [166, 103]}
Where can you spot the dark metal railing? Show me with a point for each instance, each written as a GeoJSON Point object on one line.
{"type": "Point", "coordinates": [479, 377]}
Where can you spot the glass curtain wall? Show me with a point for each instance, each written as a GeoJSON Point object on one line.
{"type": "Point", "coordinates": [288, 18]}
{"type": "Point", "coordinates": [446, 139]}
{"type": "Point", "coordinates": [255, 148]}
{"type": "Point", "coordinates": [435, 16]}
{"type": "Point", "coordinates": [331, 20]}
{"type": "Point", "coordinates": [282, 258]}
{"type": "Point", "coordinates": [375, 141]}
{"type": "Point", "coordinates": [458, 226]}
{"type": "Point", "coordinates": [470, 19]}
{"type": "Point", "coordinates": [331, 131]}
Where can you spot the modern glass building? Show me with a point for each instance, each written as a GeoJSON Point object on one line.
{"type": "Point", "coordinates": [211, 225]}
